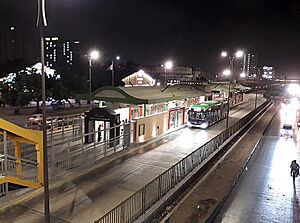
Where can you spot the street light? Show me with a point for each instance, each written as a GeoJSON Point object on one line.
{"type": "Point", "coordinates": [168, 66]}
{"type": "Point", "coordinates": [242, 75]}
{"type": "Point", "coordinates": [94, 55]}
{"type": "Point", "coordinates": [226, 72]}
{"type": "Point", "coordinates": [239, 54]}
{"type": "Point", "coordinates": [224, 54]}
{"type": "Point", "coordinates": [41, 22]}
{"type": "Point", "coordinates": [229, 72]}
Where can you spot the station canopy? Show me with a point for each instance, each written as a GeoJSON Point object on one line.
{"type": "Point", "coordinates": [223, 87]}
{"type": "Point", "coordinates": [155, 94]}
{"type": "Point", "coordinates": [148, 94]}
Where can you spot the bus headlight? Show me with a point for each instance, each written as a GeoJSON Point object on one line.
{"type": "Point", "coordinates": [204, 125]}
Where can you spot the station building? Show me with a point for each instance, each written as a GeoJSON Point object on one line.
{"type": "Point", "coordinates": [155, 110]}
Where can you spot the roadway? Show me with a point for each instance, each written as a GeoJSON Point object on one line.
{"type": "Point", "coordinates": [89, 197]}
{"type": "Point", "coordinates": [265, 191]}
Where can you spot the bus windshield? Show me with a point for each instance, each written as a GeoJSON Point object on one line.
{"type": "Point", "coordinates": [197, 115]}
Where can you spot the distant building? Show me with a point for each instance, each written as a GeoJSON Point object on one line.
{"type": "Point", "coordinates": [70, 51]}
{"type": "Point", "coordinates": [268, 72]}
{"type": "Point", "coordinates": [173, 75]}
{"type": "Point", "coordinates": [60, 53]}
{"type": "Point", "coordinates": [52, 51]}
{"type": "Point", "coordinates": [139, 78]}
{"type": "Point", "coordinates": [177, 74]}
{"type": "Point", "coordinates": [15, 46]}
{"type": "Point", "coordinates": [249, 66]}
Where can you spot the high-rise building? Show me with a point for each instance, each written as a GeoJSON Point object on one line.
{"type": "Point", "coordinates": [249, 66]}
{"type": "Point", "coordinates": [70, 51]}
{"type": "Point", "coordinates": [15, 45]}
{"type": "Point", "coordinates": [268, 72]}
{"type": "Point", "coordinates": [60, 53]}
{"type": "Point", "coordinates": [52, 51]}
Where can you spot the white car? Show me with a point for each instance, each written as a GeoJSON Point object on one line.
{"type": "Point", "coordinates": [287, 130]}
{"type": "Point", "coordinates": [36, 119]}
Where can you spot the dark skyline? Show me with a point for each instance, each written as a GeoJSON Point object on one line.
{"type": "Point", "coordinates": [191, 33]}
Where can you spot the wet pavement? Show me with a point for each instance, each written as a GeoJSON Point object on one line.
{"type": "Point", "coordinates": [264, 192]}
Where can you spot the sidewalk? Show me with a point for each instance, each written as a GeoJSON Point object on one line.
{"type": "Point", "coordinates": [204, 200]}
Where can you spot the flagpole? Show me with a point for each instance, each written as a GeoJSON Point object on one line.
{"type": "Point", "coordinates": [112, 73]}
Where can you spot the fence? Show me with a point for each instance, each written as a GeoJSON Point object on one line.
{"type": "Point", "coordinates": [21, 168]}
{"type": "Point", "coordinates": [59, 127]}
{"type": "Point", "coordinates": [67, 149]}
{"type": "Point", "coordinates": [134, 206]}
{"type": "Point", "coordinates": [74, 153]}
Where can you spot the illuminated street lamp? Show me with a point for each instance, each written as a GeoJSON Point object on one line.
{"type": "Point", "coordinates": [168, 66]}
{"type": "Point", "coordinates": [224, 54]}
{"type": "Point", "coordinates": [226, 72]}
{"type": "Point", "coordinates": [229, 72]}
{"type": "Point", "coordinates": [94, 55]}
{"type": "Point", "coordinates": [242, 75]}
{"type": "Point", "coordinates": [239, 54]}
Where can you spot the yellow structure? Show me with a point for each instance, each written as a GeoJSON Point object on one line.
{"type": "Point", "coordinates": [18, 135]}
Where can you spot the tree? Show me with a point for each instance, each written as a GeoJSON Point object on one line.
{"type": "Point", "coordinates": [25, 86]}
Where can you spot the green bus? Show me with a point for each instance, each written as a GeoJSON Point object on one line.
{"type": "Point", "coordinates": [207, 113]}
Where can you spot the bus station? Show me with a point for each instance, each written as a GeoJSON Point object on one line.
{"type": "Point", "coordinates": [156, 110]}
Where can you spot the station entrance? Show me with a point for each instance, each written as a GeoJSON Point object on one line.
{"type": "Point", "coordinates": [102, 125]}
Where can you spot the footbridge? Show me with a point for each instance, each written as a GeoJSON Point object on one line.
{"type": "Point", "coordinates": [21, 157]}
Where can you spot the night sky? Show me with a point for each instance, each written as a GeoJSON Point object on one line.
{"type": "Point", "coordinates": [191, 33]}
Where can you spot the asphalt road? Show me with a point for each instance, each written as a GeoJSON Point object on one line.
{"type": "Point", "coordinates": [91, 196]}
{"type": "Point", "coordinates": [265, 192]}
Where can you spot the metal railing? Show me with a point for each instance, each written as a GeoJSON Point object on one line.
{"type": "Point", "coordinates": [3, 189]}
{"type": "Point", "coordinates": [134, 206]}
{"type": "Point", "coordinates": [22, 168]}
{"type": "Point", "coordinates": [75, 153]}
{"type": "Point", "coordinates": [18, 167]}
{"type": "Point", "coordinates": [65, 151]}
{"type": "Point", "coordinates": [59, 127]}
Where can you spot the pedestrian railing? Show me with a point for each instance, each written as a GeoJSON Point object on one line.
{"type": "Point", "coordinates": [18, 167]}
{"type": "Point", "coordinates": [3, 189]}
{"type": "Point", "coordinates": [76, 153]}
{"type": "Point", "coordinates": [137, 204]}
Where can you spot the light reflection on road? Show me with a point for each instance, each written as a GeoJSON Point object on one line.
{"type": "Point", "coordinates": [265, 192]}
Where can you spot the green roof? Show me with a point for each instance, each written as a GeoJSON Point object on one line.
{"type": "Point", "coordinates": [151, 94]}
{"type": "Point", "coordinates": [148, 94]}
{"type": "Point", "coordinates": [206, 105]}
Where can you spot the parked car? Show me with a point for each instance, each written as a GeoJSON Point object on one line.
{"type": "Point", "coordinates": [36, 119]}
{"type": "Point", "coordinates": [287, 130]}
{"type": "Point", "coordinates": [56, 105]}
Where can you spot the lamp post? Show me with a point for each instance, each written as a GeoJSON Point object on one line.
{"type": "Point", "coordinates": [229, 72]}
{"type": "Point", "coordinates": [41, 22]}
{"type": "Point", "coordinates": [168, 66]}
{"type": "Point", "coordinates": [113, 71]}
{"type": "Point", "coordinates": [94, 55]}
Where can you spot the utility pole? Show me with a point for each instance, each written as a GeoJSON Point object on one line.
{"type": "Point", "coordinates": [41, 22]}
